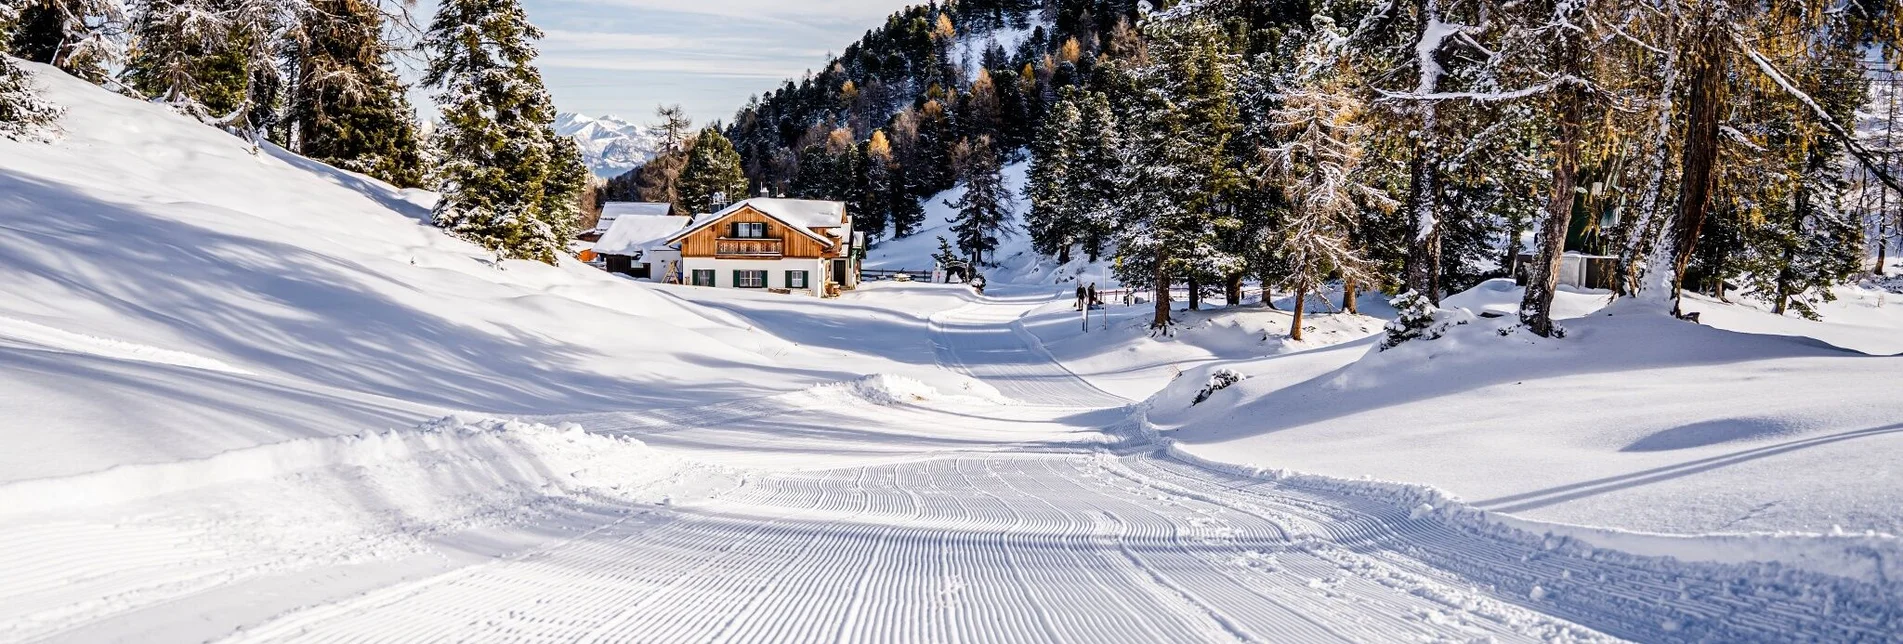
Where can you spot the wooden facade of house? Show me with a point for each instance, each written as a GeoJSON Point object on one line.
{"type": "Point", "coordinates": [723, 241]}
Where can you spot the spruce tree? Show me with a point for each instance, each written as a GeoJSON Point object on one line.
{"type": "Point", "coordinates": [347, 106]}
{"type": "Point", "coordinates": [500, 168]}
{"type": "Point", "coordinates": [1098, 168]}
{"type": "Point", "coordinates": [81, 37]}
{"type": "Point", "coordinates": [984, 210]}
{"type": "Point", "coordinates": [1050, 184]}
{"type": "Point", "coordinates": [883, 187]}
{"type": "Point", "coordinates": [712, 177]}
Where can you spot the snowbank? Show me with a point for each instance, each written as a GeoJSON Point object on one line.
{"type": "Point", "coordinates": [1633, 421]}
{"type": "Point", "coordinates": [1871, 557]}
{"type": "Point", "coordinates": [485, 455]}
{"type": "Point", "coordinates": [887, 389]}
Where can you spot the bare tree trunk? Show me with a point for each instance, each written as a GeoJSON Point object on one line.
{"type": "Point", "coordinates": [1536, 309]}
{"type": "Point", "coordinates": [1348, 297]}
{"type": "Point", "coordinates": [1641, 234]}
{"type": "Point", "coordinates": [1301, 299]}
{"type": "Point", "coordinates": [1232, 289]}
{"type": "Point", "coordinates": [1162, 319]}
{"type": "Point", "coordinates": [1423, 245]}
{"type": "Point", "coordinates": [1700, 158]}
{"type": "Point", "coordinates": [1195, 294]}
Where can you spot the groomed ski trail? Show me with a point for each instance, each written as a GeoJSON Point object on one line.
{"type": "Point", "coordinates": [1075, 544]}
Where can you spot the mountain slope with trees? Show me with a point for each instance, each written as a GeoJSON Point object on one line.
{"type": "Point", "coordinates": [1406, 147]}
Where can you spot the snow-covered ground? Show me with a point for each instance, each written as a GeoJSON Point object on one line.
{"type": "Point", "coordinates": [247, 397]}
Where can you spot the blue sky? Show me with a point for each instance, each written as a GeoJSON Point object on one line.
{"type": "Point", "coordinates": [624, 57]}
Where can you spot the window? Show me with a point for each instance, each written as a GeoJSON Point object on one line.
{"type": "Point", "coordinates": [749, 279]}
{"type": "Point", "coordinates": [703, 277]}
{"type": "Point", "coordinates": [796, 279]}
{"type": "Point", "coordinates": [749, 230]}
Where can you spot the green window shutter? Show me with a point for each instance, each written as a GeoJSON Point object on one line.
{"type": "Point", "coordinates": [736, 279]}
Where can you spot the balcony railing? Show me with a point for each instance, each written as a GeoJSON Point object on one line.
{"type": "Point", "coordinates": [731, 247]}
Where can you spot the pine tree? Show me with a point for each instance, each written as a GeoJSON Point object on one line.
{"type": "Point", "coordinates": [81, 37]}
{"type": "Point", "coordinates": [984, 209]}
{"type": "Point", "coordinates": [500, 167]}
{"type": "Point", "coordinates": [348, 108]}
{"type": "Point", "coordinates": [23, 113]}
{"type": "Point", "coordinates": [712, 177]}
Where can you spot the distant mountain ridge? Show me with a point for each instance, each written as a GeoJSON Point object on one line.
{"type": "Point", "coordinates": [611, 145]}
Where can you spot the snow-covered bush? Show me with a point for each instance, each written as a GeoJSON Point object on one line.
{"type": "Point", "coordinates": [1219, 380]}
{"type": "Point", "coordinates": [1420, 319]}
{"type": "Point", "coordinates": [22, 112]}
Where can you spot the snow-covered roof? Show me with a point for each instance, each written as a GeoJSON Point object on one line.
{"type": "Point", "coordinates": [613, 210]}
{"type": "Point", "coordinates": [802, 215]}
{"type": "Point", "coordinates": [633, 234]}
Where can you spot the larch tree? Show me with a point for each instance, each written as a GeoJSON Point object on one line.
{"type": "Point", "coordinates": [882, 187]}
{"type": "Point", "coordinates": [672, 124]}
{"type": "Point", "coordinates": [1317, 168]}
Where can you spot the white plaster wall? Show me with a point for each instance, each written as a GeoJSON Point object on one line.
{"type": "Point", "coordinates": [775, 271]}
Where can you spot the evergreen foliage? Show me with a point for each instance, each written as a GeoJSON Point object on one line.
{"type": "Point", "coordinates": [23, 113]}
{"type": "Point", "coordinates": [507, 179]}
{"type": "Point", "coordinates": [984, 209]}
{"type": "Point", "coordinates": [347, 104]}
{"type": "Point", "coordinates": [712, 177]}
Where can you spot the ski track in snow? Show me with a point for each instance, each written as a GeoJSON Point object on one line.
{"type": "Point", "coordinates": [1080, 543]}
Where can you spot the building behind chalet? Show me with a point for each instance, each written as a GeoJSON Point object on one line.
{"type": "Point", "coordinates": [636, 243]}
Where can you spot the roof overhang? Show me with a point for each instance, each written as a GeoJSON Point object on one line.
{"type": "Point", "coordinates": [744, 207]}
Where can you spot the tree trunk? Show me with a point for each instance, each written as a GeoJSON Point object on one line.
{"type": "Point", "coordinates": [1232, 289]}
{"type": "Point", "coordinates": [1348, 297]}
{"type": "Point", "coordinates": [1195, 294]}
{"type": "Point", "coordinates": [1423, 245]}
{"type": "Point", "coordinates": [1536, 309]}
{"type": "Point", "coordinates": [1162, 319]}
{"type": "Point", "coordinates": [1295, 328]}
{"type": "Point", "coordinates": [1063, 254]}
{"type": "Point", "coordinates": [1640, 234]}
{"type": "Point", "coordinates": [1700, 157]}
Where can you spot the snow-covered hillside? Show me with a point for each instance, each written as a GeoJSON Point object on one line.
{"type": "Point", "coordinates": [248, 397]}
{"type": "Point", "coordinates": [611, 145]}
{"type": "Point", "coordinates": [1013, 264]}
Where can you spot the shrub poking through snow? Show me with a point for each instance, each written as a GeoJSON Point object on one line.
{"type": "Point", "coordinates": [1420, 319]}
{"type": "Point", "coordinates": [1219, 380]}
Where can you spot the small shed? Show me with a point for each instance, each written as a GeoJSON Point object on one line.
{"type": "Point", "coordinates": [636, 245]}
{"type": "Point", "coordinates": [1576, 270]}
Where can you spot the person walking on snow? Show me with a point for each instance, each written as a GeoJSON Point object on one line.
{"type": "Point", "coordinates": [1080, 298]}
{"type": "Point", "coordinates": [1090, 296]}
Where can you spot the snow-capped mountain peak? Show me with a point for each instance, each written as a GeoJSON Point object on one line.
{"type": "Point", "coordinates": [610, 144]}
